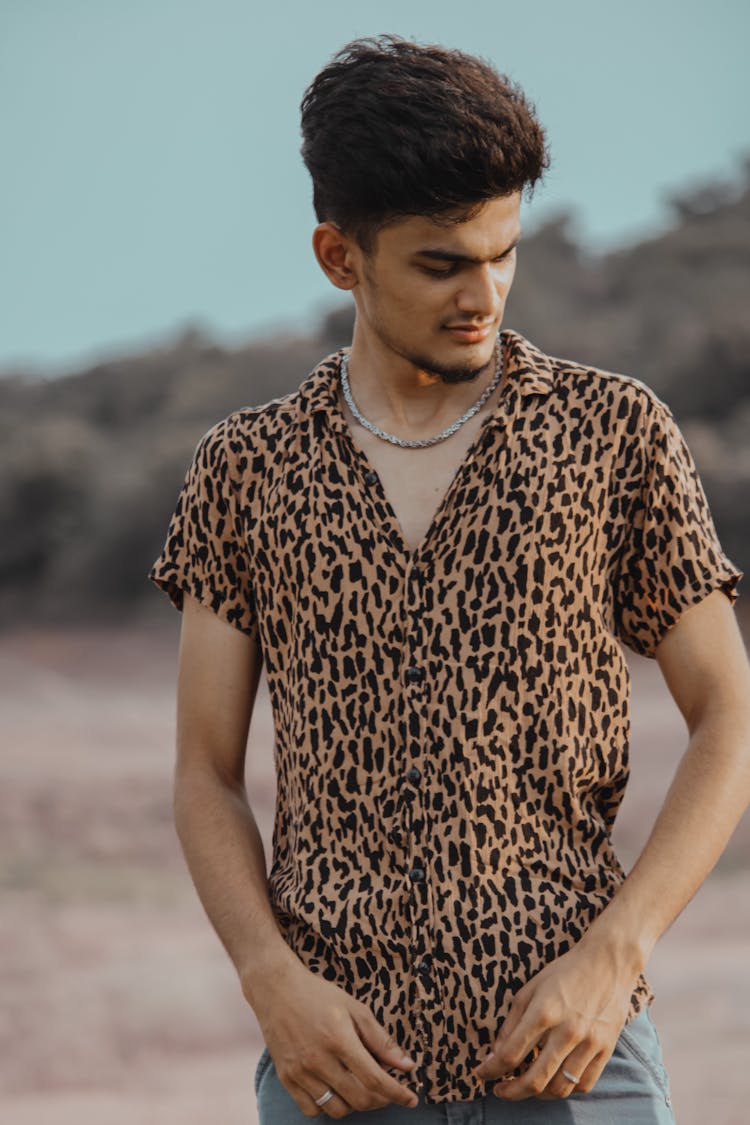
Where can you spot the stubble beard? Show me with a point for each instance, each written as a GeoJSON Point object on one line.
{"type": "Point", "coordinates": [448, 373]}
{"type": "Point", "coordinates": [452, 374]}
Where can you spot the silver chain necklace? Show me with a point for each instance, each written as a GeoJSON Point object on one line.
{"type": "Point", "coordinates": [423, 441]}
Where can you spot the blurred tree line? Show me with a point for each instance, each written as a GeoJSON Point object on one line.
{"type": "Point", "coordinates": [91, 463]}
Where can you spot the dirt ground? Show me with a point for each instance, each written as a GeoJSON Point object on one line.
{"type": "Point", "coordinates": [120, 1006]}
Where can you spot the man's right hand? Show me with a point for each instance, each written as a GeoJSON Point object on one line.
{"type": "Point", "coordinates": [320, 1037]}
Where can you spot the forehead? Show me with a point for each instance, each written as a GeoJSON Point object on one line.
{"type": "Point", "coordinates": [497, 220]}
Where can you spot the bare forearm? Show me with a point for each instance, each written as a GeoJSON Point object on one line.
{"type": "Point", "coordinates": [226, 859]}
{"type": "Point", "coordinates": [707, 797]}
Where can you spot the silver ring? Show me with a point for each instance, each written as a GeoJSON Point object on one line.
{"type": "Point", "coordinates": [324, 1097]}
{"type": "Point", "coordinates": [571, 1077]}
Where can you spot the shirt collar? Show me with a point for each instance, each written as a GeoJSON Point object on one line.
{"type": "Point", "coordinates": [529, 372]}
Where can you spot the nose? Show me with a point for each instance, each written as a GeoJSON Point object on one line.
{"type": "Point", "coordinates": [479, 295]}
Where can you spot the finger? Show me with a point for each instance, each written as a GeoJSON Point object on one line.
{"type": "Point", "coordinates": [311, 1087]}
{"type": "Point", "coordinates": [363, 1082]}
{"type": "Point", "coordinates": [568, 1078]}
{"type": "Point", "coordinates": [537, 1076]}
{"type": "Point", "coordinates": [518, 1008]}
{"type": "Point", "coordinates": [484, 1070]}
{"type": "Point", "coordinates": [368, 1055]}
{"type": "Point", "coordinates": [509, 1053]}
{"type": "Point", "coordinates": [334, 1107]}
{"type": "Point", "coordinates": [589, 1074]}
{"type": "Point", "coordinates": [373, 1088]}
{"type": "Point", "coordinates": [377, 1040]}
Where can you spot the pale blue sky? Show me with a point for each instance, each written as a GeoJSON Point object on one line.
{"type": "Point", "coordinates": [151, 168]}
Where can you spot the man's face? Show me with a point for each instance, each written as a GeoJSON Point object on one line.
{"type": "Point", "coordinates": [425, 281]}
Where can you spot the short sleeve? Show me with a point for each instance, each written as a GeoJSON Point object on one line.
{"type": "Point", "coordinates": [204, 553]}
{"type": "Point", "coordinates": [672, 558]}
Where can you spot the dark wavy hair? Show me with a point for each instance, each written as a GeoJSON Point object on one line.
{"type": "Point", "coordinates": [393, 128]}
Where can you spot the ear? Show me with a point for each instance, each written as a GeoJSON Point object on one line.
{"type": "Point", "coordinates": [336, 255]}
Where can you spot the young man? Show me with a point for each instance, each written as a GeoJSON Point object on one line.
{"type": "Point", "coordinates": [437, 546]}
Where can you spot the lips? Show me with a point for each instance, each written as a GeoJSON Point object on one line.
{"type": "Point", "coordinates": [470, 332]}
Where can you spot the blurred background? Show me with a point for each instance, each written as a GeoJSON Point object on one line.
{"type": "Point", "coordinates": [157, 273]}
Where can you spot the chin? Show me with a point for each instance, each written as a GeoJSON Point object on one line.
{"type": "Point", "coordinates": [464, 363]}
{"type": "Point", "coordinates": [460, 375]}
{"type": "Point", "coordinates": [466, 372]}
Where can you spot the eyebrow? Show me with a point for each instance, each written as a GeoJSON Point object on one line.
{"type": "Point", "coordinates": [435, 254]}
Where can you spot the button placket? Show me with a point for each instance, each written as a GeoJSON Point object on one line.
{"type": "Point", "coordinates": [414, 681]}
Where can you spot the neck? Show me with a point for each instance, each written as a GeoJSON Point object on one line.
{"type": "Point", "coordinates": [397, 396]}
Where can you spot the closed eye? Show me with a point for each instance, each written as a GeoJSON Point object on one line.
{"type": "Point", "coordinates": [439, 273]}
{"type": "Point", "coordinates": [450, 270]}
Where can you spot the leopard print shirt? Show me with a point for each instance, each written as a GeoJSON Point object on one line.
{"type": "Point", "coordinates": [452, 725]}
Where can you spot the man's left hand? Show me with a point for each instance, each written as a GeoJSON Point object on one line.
{"type": "Point", "coordinates": [574, 1010]}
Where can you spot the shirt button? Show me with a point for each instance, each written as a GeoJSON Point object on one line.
{"type": "Point", "coordinates": [395, 837]}
{"type": "Point", "coordinates": [371, 476]}
{"type": "Point", "coordinates": [424, 966]}
{"type": "Point", "coordinates": [413, 775]}
{"type": "Point", "coordinates": [417, 874]}
{"type": "Point", "coordinates": [414, 675]}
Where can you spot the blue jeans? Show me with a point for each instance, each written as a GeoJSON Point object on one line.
{"type": "Point", "coordinates": [633, 1089]}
